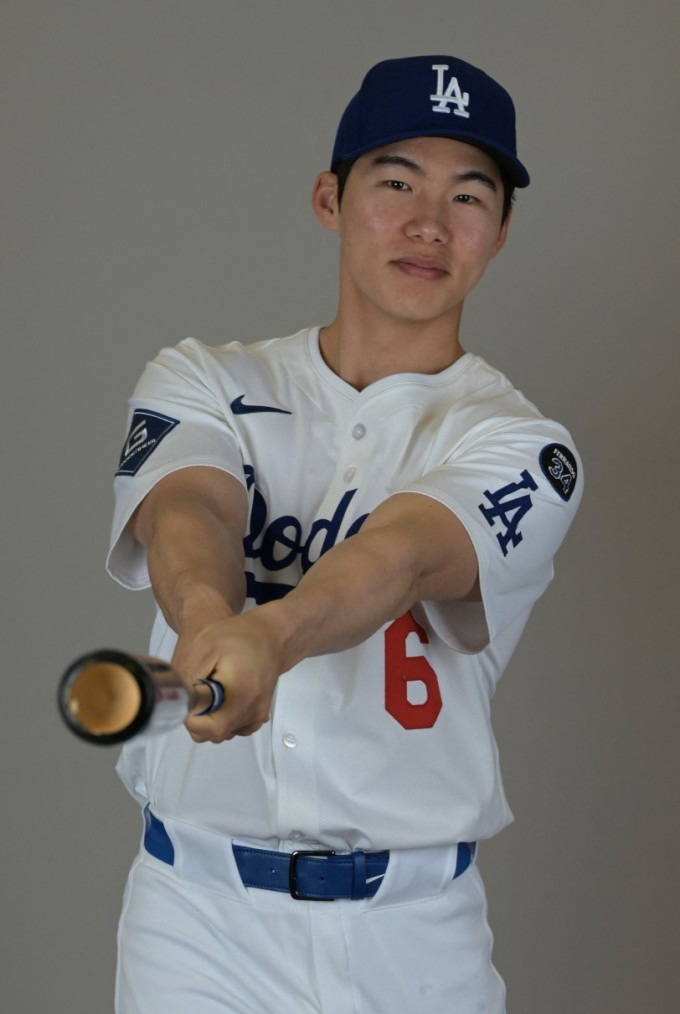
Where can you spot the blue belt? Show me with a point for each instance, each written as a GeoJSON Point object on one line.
{"type": "Point", "coordinates": [321, 875]}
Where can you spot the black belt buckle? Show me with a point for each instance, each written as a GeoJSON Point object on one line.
{"type": "Point", "coordinates": [292, 875]}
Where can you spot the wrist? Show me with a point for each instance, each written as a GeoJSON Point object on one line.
{"type": "Point", "coordinates": [200, 606]}
{"type": "Point", "coordinates": [278, 624]}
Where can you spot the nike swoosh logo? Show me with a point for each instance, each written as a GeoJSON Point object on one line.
{"type": "Point", "coordinates": [238, 408]}
{"type": "Point", "coordinates": [369, 880]}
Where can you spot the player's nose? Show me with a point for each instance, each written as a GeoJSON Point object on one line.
{"type": "Point", "coordinates": [429, 222]}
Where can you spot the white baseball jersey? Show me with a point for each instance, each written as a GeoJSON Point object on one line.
{"type": "Point", "coordinates": [387, 744]}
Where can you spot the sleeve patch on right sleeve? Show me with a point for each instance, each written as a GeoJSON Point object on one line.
{"type": "Point", "coordinates": [147, 429]}
{"type": "Point", "coordinates": [560, 469]}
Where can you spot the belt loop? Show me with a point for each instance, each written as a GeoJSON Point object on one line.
{"type": "Point", "coordinates": [358, 875]}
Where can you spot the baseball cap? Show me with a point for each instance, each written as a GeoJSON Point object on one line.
{"type": "Point", "coordinates": [431, 96]}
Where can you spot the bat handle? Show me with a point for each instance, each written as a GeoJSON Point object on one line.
{"type": "Point", "coordinates": [216, 691]}
{"type": "Point", "coordinates": [109, 696]}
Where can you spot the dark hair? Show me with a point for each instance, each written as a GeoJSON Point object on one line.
{"type": "Point", "coordinates": [343, 166]}
{"type": "Point", "coordinates": [341, 170]}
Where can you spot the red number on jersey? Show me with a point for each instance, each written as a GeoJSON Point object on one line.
{"type": "Point", "coordinates": [402, 669]}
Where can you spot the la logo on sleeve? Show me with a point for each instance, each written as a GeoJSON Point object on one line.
{"type": "Point", "coordinates": [507, 506]}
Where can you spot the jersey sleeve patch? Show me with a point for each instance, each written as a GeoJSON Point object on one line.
{"type": "Point", "coordinates": [147, 429]}
{"type": "Point", "coordinates": [560, 469]}
{"type": "Point", "coordinates": [507, 506]}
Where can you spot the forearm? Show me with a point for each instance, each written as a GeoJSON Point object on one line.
{"type": "Point", "coordinates": [192, 524]}
{"type": "Point", "coordinates": [345, 597]}
{"type": "Point", "coordinates": [196, 567]}
{"type": "Point", "coordinates": [410, 550]}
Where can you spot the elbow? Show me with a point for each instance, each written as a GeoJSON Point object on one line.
{"type": "Point", "coordinates": [139, 524]}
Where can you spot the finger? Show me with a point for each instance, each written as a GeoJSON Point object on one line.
{"type": "Point", "coordinates": [212, 738]}
{"type": "Point", "coordinates": [248, 730]}
{"type": "Point", "coordinates": [207, 730]}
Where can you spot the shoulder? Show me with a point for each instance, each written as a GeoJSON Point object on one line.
{"type": "Point", "coordinates": [488, 428]}
{"type": "Point", "coordinates": [194, 351]}
{"type": "Point", "coordinates": [473, 404]}
{"type": "Point", "coordinates": [219, 368]}
{"type": "Point", "coordinates": [265, 352]}
{"type": "Point", "coordinates": [492, 392]}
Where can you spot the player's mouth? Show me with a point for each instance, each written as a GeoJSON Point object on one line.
{"type": "Point", "coordinates": [420, 267]}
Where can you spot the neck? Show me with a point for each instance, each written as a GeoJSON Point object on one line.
{"type": "Point", "coordinates": [363, 352]}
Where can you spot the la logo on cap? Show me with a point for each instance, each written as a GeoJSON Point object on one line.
{"type": "Point", "coordinates": [453, 96]}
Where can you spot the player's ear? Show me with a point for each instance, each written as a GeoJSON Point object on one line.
{"type": "Point", "coordinates": [325, 200]}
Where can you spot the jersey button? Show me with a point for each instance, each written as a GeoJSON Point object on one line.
{"type": "Point", "coordinates": [349, 474]}
{"type": "Point", "coordinates": [359, 431]}
{"type": "Point", "coordinates": [290, 741]}
{"type": "Point", "coordinates": [296, 836]}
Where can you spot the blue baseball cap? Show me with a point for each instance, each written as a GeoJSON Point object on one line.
{"type": "Point", "coordinates": [431, 96]}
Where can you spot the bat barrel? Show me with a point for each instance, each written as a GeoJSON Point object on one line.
{"type": "Point", "coordinates": [109, 696]}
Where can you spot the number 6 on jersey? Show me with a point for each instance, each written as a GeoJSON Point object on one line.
{"type": "Point", "coordinates": [402, 669]}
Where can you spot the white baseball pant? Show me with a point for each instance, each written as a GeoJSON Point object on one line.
{"type": "Point", "coordinates": [193, 940]}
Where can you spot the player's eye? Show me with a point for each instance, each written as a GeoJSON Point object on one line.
{"type": "Point", "coordinates": [465, 199]}
{"type": "Point", "coordinates": [396, 185]}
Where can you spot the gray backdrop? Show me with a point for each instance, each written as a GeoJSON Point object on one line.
{"type": "Point", "coordinates": [157, 162]}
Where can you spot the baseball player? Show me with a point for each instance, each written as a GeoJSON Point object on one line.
{"type": "Point", "coordinates": [347, 528]}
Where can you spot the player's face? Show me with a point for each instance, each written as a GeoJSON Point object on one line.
{"type": "Point", "coordinates": [419, 222]}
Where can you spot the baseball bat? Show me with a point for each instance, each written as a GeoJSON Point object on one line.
{"type": "Point", "coordinates": [109, 696]}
